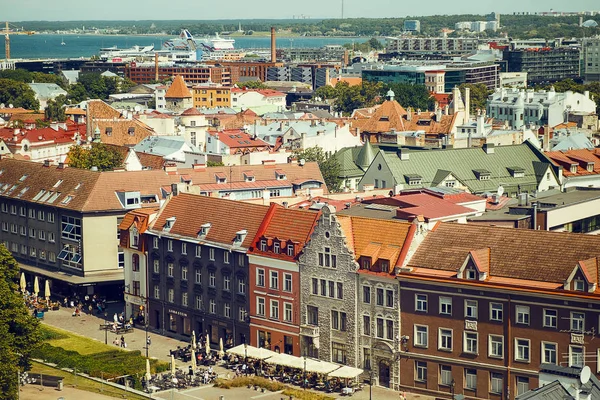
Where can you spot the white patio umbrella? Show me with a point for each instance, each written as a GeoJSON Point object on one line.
{"type": "Point", "coordinates": [193, 340]}
{"type": "Point", "coordinates": [36, 286]}
{"type": "Point", "coordinates": [23, 282]}
{"type": "Point", "coordinates": [194, 365]}
{"type": "Point", "coordinates": [172, 364]}
{"type": "Point", "coordinates": [47, 290]}
{"type": "Point", "coordinates": [221, 351]}
{"type": "Point", "coordinates": [148, 374]}
{"type": "Point", "coordinates": [207, 345]}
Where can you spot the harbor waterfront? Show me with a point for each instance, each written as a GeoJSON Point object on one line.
{"type": "Point", "coordinates": [75, 46]}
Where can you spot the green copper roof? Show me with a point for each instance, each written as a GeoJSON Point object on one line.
{"type": "Point", "coordinates": [365, 156]}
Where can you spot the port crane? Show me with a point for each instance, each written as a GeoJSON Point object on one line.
{"type": "Point", "coordinates": [7, 32]}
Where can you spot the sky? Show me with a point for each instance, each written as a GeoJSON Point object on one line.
{"type": "Point", "coordinates": [65, 10]}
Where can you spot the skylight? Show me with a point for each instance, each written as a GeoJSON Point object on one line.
{"type": "Point", "coordinates": [67, 200]}
{"type": "Point", "coordinates": [21, 179]}
{"type": "Point", "coordinates": [57, 184]}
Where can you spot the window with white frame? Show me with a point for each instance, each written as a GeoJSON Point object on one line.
{"type": "Point", "coordinates": [496, 312]}
{"type": "Point", "coordinates": [184, 273]}
{"type": "Point", "coordinates": [579, 285]}
{"type": "Point", "coordinates": [156, 266]}
{"type": "Point", "coordinates": [576, 356]}
{"type": "Point", "coordinates": [51, 237]}
{"type": "Point", "coordinates": [260, 306]}
{"type": "Point", "coordinates": [389, 298]}
{"type": "Point", "coordinates": [287, 312]}
{"type": "Point", "coordinates": [445, 375]}
{"type": "Point", "coordinates": [577, 321]}
{"type": "Point", "coordinates": [154, 240]}
{"type": "Point", "coordinates": [420, 371]}
{"type": "Point", "coordinates": [211, 254]}
{"type": "Point", "coordinates": [470, 379]}
{"type": "Point", "coordinates": [242, 314]}
{"type": "Point", "coordinates": [470, 342]}
{"type": "Point", "coordinates": [287, 282]}
{"type": "Point", "coordinates": [183, 248]}
{"type": "Point", "coordinates": [198, 251]}
{"type": "Point", "coordinates": [421, 335]}
{"type": "Point", "coordinates": [366, 294]}
{"type": "Point", "coordinates": [274, 275]}
{"type": "Point", "coordinates": [169, 245]}
{"type": "Point", "coordinates": [184, 299]}
{"type": "Point", "coordinates": [227, 310]}
{"type": "Point", "coordinates": [522, 349]}
{"type": "Point", "coordinates": [445, 339]}
{"type": "Point", "coordinates": [212, 306]}
{"type": "Point", "coordinates": [198, 276]}
{"type": "Point", "coordinates": [227, 282]}
{"type": "Point", "coordinates": [549, 353]}
{"type": "Point", "coordinates": [241, 285]}
{"type": "Point", "coordinates": [156, 292]}
{"type": "Point", "coordinates": [446, 305]}
{"type": "Point", "coordinates": [212, 279]}
{"type": "Point", "coordinates": [522, 315]}
{"type": "Point", "coordinates": [198, 302]}
{"type": "Point", "coordinates": [171, 297]}
{"type": "Point", "coordinates": [522, 385]}
{"type": "Point", "coordinates": [226, 257]}
{"type": "Point", "coordinates": [496, 383]}
{"type": "Point", "coordinates": [260, 277]}
{"type": "Point", "coordinates": [367, 325]}
{"type": "Point", "coordinates": [550, 318]}
{"type": "Point", "coordinates": [471, 309]}
{"type": "Point", "coordinates": [170, 269]}
{"type": "Point", "coordinates": [496, 346]}
{"type": "Point", "coordinates": [274, 309]}
{"type": "Point", "coordinates": [421, 302]}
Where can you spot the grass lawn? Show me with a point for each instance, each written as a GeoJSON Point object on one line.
{"type": "Point", "coordinates": [83, 383]}
{"type": "Point", "coordinates": [71, 341]}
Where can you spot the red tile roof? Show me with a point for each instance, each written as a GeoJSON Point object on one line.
{"type": "Point", "coordinates": [237, 138]}
{"type": "Point", "coordinates": [178, 89]}
{"type": "Point", "coordinates": [225, 216]}
{"type": "Point", "coordinates": [581, 157]}
{"type": "Point", "coordinates": [519, 254]}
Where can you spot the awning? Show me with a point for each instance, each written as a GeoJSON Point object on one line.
{"type": "Point", "coordinates": [106, 277]}
{"type": "Point", "coordinates": [286, 360]}
{"type": "Point", "coordinates": [320, 367]}
{"type": "Point", "coordinates": [251, 352]}
{"type": "Point", "coordinates": [346, 372]}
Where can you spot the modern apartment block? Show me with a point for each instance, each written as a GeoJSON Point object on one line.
{"type": "Point", "coordinates": [431, 44]}
{"type": "Point", "coordinates": [590, 54]}
{"type": "Point", "coordinates": [544, 64]}
{"type": "Point", "coordinates": [193, 75]}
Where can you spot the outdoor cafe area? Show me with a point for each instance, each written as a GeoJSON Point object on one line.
{"type": "Point", "coordinates": [36, 303]}
{"type": "Point", "coordinates": [305, 372]}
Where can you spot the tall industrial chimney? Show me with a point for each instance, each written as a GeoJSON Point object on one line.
{"type": "Point", "coordinates": [156, 67]}
{"type": "Point", "coordinates": [273, 46]}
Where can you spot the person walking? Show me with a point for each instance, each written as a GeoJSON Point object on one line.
{"type": "Point", "coordinates": [123, 341]}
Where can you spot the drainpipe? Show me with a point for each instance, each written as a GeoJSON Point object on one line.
{"type": "Point", "coordinates": [535, 207]}
{"type": "Point", "coordinates": [508, 354]}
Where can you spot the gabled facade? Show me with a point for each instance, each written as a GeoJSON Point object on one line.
{"type": "Point", "coordinates": [579, 167]}
{"type": "Point", "coordinates": [483, 307]}
{"type": "Point", "coordinates": [274, 278]}
{"type": "Point", "coordinates": [107, 125]}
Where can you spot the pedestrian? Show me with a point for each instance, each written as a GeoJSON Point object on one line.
{"type": "Point", "coordinates": [190, 371]}
{"type": "Point", "coordinates": [148, 341]}
{"type": "Point", "coordinates": [123, 341]}
{"type": "Point", "coordinates": [90, 309]}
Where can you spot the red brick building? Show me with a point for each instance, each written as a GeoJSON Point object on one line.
{"type": "Point", "coordinates": [483, 307]}
{"type": "Point", "coordinates": [192, 75]}
{"type": "Point", "coordinates": [274, 278]}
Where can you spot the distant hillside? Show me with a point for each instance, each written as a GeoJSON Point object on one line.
{"type": "Point", "coordinates": [519, 26]}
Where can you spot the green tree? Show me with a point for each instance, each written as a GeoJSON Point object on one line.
{"type": "Point", "coordinates": [479, 95]}
{"type": "Point", "coordinates": [215, 164]}
{"type": "Point", "coordinates": [99, 155]}
{"type": "Point", "coordinates": [409, 95]}
{"type": "Point", "coordinates": [325, 92]}
{"type": "Point", "coordinates": [19, 330]}
{"type": "Point", "coordinates": [350, 98]}
{"type": "Point", "coordinates": [77, 93]}
{"type": "Point", "coordinates": [329, 166]}
{"type": "Point", "coordinates": [252, 85]}
{"type": "Point", "coordinates": [55, 109]}
{"type": "Point", "coordinates": [18, 94]}
{"type": "Point", "coordinates": [375, 44]}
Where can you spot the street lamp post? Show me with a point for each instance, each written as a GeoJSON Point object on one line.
{"type": "Point", "coordinates": [105, 328]}
{"type": "Point", "coordinates": [245, 352]}
{"type": "Point", "coordinates": [304, 380]}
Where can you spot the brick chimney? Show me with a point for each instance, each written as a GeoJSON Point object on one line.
{"type": "Point", "coordinates": [273, 45]}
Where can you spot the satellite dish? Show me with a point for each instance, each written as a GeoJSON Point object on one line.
{"type": "Point", "coordinates": [500, 190]}
{"type": "Point", "coordinates": [10, 106]}
{"type": "Point", "coordinates": [585, 375]}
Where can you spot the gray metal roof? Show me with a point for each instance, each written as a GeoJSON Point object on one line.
{"type": "Point", "coordinates": [552, 391]}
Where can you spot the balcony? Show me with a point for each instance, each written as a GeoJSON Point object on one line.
{"type": "Point", "coordinates": [309, 330]}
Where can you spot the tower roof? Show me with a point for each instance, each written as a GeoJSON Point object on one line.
{"type": "Point", "coordinates": [178, 89]}
{"type": "Point", "coordinates": [365, 156]}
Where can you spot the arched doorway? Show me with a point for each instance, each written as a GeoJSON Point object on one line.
{"type": "Point", "coordinates": [384, 374]}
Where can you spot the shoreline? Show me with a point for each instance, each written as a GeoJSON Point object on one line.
{"type": "Point", "coordinates": [256, 35]}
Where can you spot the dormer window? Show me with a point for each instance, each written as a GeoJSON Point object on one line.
{"type": "Point", "coordinates": [249, 176]}
{"type": "Point", "coordinates": [516, 172]}
{"type": "Point", "coordinates": [573, 168]}
{"type": "Point", "coordinates": [384, 266]}
{"type": "Point", "coordinates": [590, 167]}
{"type": "Point", "coordinates": [290, 250]}
{"type": "Point", "coordinates": [131, 131]}
{"type": "Point", "coordinates": [579, 285]}
{"type": "Point", "coordinates": [263, 245]}
{"type": "Point", "coordinates": [280, 175]}
{"type": "Point", "coordinates": [240, 236]}
{"type": "Point", "coordinates": [413, 179]}
{"type": "Point", "coordinates": [276, 248]}
{"type": "Point", "coordinates": [204, 229]}
{"type": "Point", "coordinates": [221, 177]}
{"type": "Point", "coordinates": [470, 274]}
{"type": "Point", "coordinates": [135, 237]}
{"type": "Point", "coordinates": [482, 174]}
{"type": "Point", "coordinates": [169, 223]}
{"type": "Point", "coordinates": [108, 131]}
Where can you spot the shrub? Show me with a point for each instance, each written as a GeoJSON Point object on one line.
{"type": "Point", "coordinates": [272, 386]}
{"type": "Point", "coordinates": [50, 334]}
